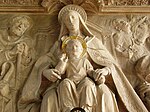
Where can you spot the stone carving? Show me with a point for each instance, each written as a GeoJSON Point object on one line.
{"type": "Point", "coordinates": [43, 87]}
{"type": "Point", "coordinates": [125, 2]}
{"type": "Point", "coordinates": [15, 57]}
{"type": "Point", "coordinates": [143, 88]}
{"type": "Point", "coordinates": [77, 79]}
{"type": "Point", "coordinates": [121, 42]}
{"type": "Point", "coordinates": [136, 2]}
{"type": "Point", "coordinates": [129, 42]}
{"type": "Point", "coordinates": [20, 2]}
{"type": "Point", "coordinates": [88, 3]}
{"type": "Point", "coordinates": [55, 6]}
{"type": "Point", "coordinates": [98, 6]}
{"type": "Point", "coordinates": [91, 6]}
{"type": "Point", "coordinates": [105, 2]}
{"type": "Point", "coordinates": [123, 38]}
{"type": "Point", "coordinates": [126, 37]}
{"type": "Point", "coordinates": [142, 68]}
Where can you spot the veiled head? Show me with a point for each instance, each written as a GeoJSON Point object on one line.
{"type": "Point", "coordinates": [73, 17]}
{"type": "Point", "coordinates": [65, 10]}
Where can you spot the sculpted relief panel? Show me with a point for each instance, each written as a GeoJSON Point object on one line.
{"type": "Point", "coordinates": [74, 61]}
{"type": "Point", "coordinates": [125, 2]}
{"type": "Point", "coordinates": [20, 2]}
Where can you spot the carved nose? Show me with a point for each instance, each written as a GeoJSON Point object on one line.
{"type": "Point", "coordinates": [74, 48]}
{"type": "Point", "coordinates": [71, 20]}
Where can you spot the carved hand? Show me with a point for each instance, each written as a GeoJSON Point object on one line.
{"type": "Point", "coordinates": [144, 90]}
{"type": "Point", "coordinates": [64, 57]}
{"type": "Point", "coordinates": [101, 80]}
{"type": "Point", "coordinates": [52, 74]}
{"type": "Point", "coordinates": [4, 88]}
{"type": "Point", "coordinates": [99, 75]}
{"type": "Point", "coordinates": [22, 48]}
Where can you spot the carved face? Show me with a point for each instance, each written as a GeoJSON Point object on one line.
{"type": "Point", "coordinates": [127, 27]}
{"type": "Point", "coordinates": [122, 25]}
{"type": "Point", "coordinates": [142, 32]}
{"type": "Point", "coordinates": [19, 27]}
{"type": "Point", "coordinates": [71, 21]}
{"type": "Point", "coordinates": [74, 49]}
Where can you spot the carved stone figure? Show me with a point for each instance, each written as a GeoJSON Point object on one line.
{"type": "Point", "coordinates": [129, 45]}
{"type": "Point", "coordinates": [20, 2]}
{"type": "Point", "coordinates": [123, 38]}
{"type": "Point", "coordinates": [78, 89]}
{"type": "Point", "coordinates": [142, 31]}
{"type": "Point", "coordinates": [143, 71]}
{"type": "Point", "coordinates": [72, 19]}
{"type": "Point", "coordinates": [131, 2]}
{"type": "Point", "coordinates": [15, 56]}
{"type": "Point", "coordinates": [105, 2]}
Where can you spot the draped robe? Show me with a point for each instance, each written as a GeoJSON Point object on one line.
{"type": "Point", "coordinates": [30, 98]}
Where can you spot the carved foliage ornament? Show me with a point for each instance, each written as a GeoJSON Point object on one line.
{"type": "Point", "coordinates": [97, 6]}
{"type": "Point", "coordinates": [56, 5]}
{"type": "Point", "coordinates": [20, 2]}
{"type": "Point", "coordinates": [130, 2]}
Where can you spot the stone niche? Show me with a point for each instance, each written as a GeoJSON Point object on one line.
{"type": "Point", "coordinates": [30, 32]}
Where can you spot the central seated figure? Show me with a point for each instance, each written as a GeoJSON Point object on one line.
{"type": "Point", "coordinates": [77, 89]}
{"type": "Point", "coordinates": [75, 80]}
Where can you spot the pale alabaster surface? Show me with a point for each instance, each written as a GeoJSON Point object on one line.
{"type": "Point", "coordinates": [87, 56]}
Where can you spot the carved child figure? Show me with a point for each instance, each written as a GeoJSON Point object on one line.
{"type": "Point", "coordinates": [77, 89]}
{"type": "Point", "coordinates": [78, 82]}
